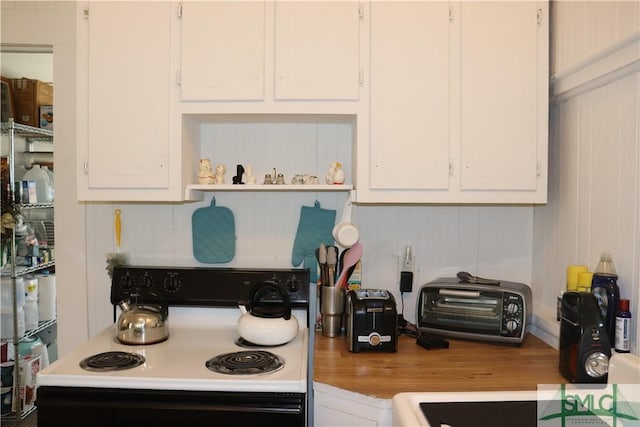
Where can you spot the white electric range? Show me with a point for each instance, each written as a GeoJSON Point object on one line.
{"type": "Point", "coordinates": [172, 383]}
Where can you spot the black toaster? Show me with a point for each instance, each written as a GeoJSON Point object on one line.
{"type": "Point", "coordinates": [371, 321]}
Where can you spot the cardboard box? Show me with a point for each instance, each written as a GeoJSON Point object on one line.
{"type": "Point", "coordinates": [29, 367]}
{"type": "Point", "coordinates": [6, 99]}
{"type": "Point", "coordinates": [46, 117]}
{"type": "Point", "coordinates": [28, 96]}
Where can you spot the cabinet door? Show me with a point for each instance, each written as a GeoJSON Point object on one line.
{"type": "Point", "coordinates": [222, 48]}
{"type": "Point", "coordinates": [499, 81]}
{"type": "Point", "coordinates": [410, 74]}
{"type": "Point", "coordinates": [317, 50]}
{"type": "Point", "coordinates": [128, 95]}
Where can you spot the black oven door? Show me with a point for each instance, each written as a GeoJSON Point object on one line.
{"type": "Point", "coordinates": [104, 407]}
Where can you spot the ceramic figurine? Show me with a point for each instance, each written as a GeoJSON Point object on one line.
{"type": "Point", "coordinates": [338, 175]}
{"type": "Point", "coordinates": [220, 171]}
{"type": "Point", "coordinates": [205, 174]}
{"type": "Point", "coordinates": [239, 173]}
{"type": "Point", "coordinates": [329, 175]}
{"type": "Point", "coordinates": [248, 175]}
{"type": "Point", "coordinates": [335, 174]}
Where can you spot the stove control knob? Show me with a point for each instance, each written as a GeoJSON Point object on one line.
{"type": "Point", "coordinates": [293, 284]}
{"type": "Point", "coordinates": [275, 279]}
{"type": "Point", "coordinates": [126, 281]}
{"type": "Point", "coordinates": [146, 282]}
{"type": "Point", "coordinates": [172, 284]}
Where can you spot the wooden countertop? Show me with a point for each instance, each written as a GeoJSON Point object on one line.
{"type": "Point", "coordinates": [464, 366]}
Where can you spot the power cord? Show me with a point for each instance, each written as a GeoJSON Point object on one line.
{"type": "Point", "coordinates": [405, 327]}
{"type": "Point", "coordinates": [427, 341]}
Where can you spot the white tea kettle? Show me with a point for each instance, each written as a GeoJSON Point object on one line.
{"type": "Point", "coordinates": [265, 320]}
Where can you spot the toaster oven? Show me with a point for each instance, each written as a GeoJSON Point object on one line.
{"type": "Point", "coordinates": [498, 312]}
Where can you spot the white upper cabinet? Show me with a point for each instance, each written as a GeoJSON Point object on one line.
{"type": "Point", "coordinates": [276, 56]}
{"type": "Point", "coordinates": [410, 76]}
{"type": "Point", "coordinates": [447, 101]}
{"type": "Point", "coordinates": [222, 50]}
{"type": "Point", "coordinates": [499, 79]}
{"type": "Point", "coordinates": [124, 102]}
{"type": "Point", "coordinates": [317, 47]}
{"type": "Point", "coordinates": [459, 104]}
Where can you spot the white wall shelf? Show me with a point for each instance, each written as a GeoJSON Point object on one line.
{"type": "Point", "coordinates": [194, 192]}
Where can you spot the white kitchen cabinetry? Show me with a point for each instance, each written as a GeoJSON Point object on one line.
{"type": "Point", "coordinates": [317, 50]}
{"type": "Point", "coordinates": [267, 51]}
{"type": "Point", "coordinates": [458, 104]}
{"type": "Point", "coordinates": [222, 51]}
{"type": "Point", "coordinates": [333, 406]}
{"type": "Point", "coordinates": [261, 62]}
{"type": "Point", "coordinates": [124, 102]}
{"type": "Point", "coordinates": [410, 106]}
{"type": "Point", "coordinates": [500, 83]}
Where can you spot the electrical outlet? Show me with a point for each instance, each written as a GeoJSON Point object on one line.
{"type": "Point", "coordinates": [407, 259]}
{"type": "Point", "coordinates": [406, 270]}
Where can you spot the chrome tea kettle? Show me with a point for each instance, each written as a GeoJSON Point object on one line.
{"type": "Point", "coordinates": [143, 322]}
{"type": "Point", "coordinates": [267, 321]}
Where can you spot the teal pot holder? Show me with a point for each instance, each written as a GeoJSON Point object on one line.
{"type": "Point", "coordinates": [214, 234]}
{"type": "Point", "coordinates": [315, 227]}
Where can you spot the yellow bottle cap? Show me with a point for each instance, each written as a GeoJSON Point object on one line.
{"type": "Point", "coordinates": [584, 280]}
{"type": "Point", "coordinates": [572, 276]}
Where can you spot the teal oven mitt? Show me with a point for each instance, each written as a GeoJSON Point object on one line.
{"type": "Point", "coordinates": [314, 228]}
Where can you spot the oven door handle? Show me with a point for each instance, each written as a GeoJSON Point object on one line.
{"type": "Point", "coordinates": [261, 409]}
{"type": "Point", "coordinates": [459, 293]}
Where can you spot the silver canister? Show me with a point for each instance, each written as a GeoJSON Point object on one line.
{"type": "Point", "coordinates": [332, 308]}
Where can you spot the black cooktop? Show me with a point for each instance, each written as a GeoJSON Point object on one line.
{"type": "Point", "coordinates": [482, 414]}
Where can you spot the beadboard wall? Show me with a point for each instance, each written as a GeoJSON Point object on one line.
{"type": "Point", "coordinates": [594, 151]}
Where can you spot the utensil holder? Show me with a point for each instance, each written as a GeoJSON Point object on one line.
{"type": "Point", "coordinates": [332, 307]}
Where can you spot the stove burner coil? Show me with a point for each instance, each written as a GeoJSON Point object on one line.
{"type": "Point", "coordinates": [112, 361]}
{"type": "Point", "coordinates": [245, 363]}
